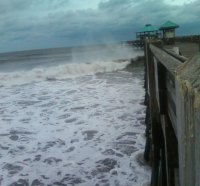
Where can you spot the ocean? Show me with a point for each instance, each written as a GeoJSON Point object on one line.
{"type": "Point", "coordinates": [72, 116]}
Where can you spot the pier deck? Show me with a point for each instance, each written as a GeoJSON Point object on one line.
{"type": "Point", "coordinates": [187, 49]}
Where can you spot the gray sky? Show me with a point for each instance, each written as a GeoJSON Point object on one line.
{"type": "Point", "coordinates": [30, 24]}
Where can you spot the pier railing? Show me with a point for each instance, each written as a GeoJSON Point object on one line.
{"type": "Point", "coordinates": [173, 116]}
{"type": "Point", "coordinates": [189, 38]}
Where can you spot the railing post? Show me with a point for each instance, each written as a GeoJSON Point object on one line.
{"type": "Point", "coordinates": [188, 121]}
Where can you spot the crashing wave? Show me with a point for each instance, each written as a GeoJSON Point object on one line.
{"type": "Point", "coordinates": [60, 72]}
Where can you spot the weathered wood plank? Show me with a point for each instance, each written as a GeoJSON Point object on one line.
{"type": "Point", "coordinates": [171, 92]}
{"type": "Point", "coordinates": [179, 57]}
{"type": "Point", "coordinates": [174, 94]}
{"type": "Point", "coordinates": [164, 125]}
{"type": "Point", "coordinates": [171, 153]}
{"type": "Point", "coordinates": [188, 121]}
{"type": "Point", "coordinates": [154, 115]}
{"type": "Point", "coordinates": [167, 60]}
{"type": "Point", "coordinates": [161, 89]}
{"type": "Point", "coordinates": [170, 84]}
{"type": "Point", "coordinates": [172, 117]}
{"type": "Point", "coordinates": [157, 88]}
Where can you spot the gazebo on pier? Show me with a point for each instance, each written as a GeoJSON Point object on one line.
{"type": "Point", "coordinates": [146, 32]}
{"type": "Point", "coordinates": [168, 29]}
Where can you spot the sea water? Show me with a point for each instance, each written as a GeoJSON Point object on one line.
{"type": "Point", "coordinates": [72, 116]}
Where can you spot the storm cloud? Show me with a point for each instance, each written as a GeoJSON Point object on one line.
{"type": "Point", "coordinates": [55, 23]}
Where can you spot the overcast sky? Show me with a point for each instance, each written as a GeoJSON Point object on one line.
{"type": "Point", "coordinates": [31, 24]}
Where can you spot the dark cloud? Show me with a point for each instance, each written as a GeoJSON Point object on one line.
{"type": "Point", "coordinates": [49, 23]}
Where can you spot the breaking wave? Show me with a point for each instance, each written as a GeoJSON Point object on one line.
{"type": "Point", "coordinates": [60, 72]}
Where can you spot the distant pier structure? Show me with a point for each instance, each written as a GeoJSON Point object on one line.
{"type": "Point", "coordinates": [147, 32]}
{"type": "Point", "coordinates": [166, 32]}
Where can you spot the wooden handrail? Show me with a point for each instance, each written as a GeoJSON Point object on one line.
{"type": "Point", "coordinates": [166, 59]}
{"type": "Point", "coordinates": [179, 57]}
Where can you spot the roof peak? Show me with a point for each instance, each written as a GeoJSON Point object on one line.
{"type": "Point", "coordinates": [148, 28]}
{"type": "Point", "coordinates": [168, 24]}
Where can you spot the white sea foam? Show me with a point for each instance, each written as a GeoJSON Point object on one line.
{"type": "Point", "coordinates": [60, 72]}
{"type": "Point", "coordinates": [83, 131]}
{"type": "Point", "coordinates": [73, 124]}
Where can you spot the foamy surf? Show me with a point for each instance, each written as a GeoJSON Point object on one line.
{"type": "Point", "coordinates": [76, 124]}
{"type": "Point", "coordinates": [60, 72]}
{"type": "Point", "coordinates": [84, 131]}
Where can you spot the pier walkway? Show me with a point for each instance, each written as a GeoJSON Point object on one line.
{"type": "Point", "coordinates": [187, 49]}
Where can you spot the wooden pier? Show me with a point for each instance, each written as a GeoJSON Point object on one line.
{"type": "Point", "coordinates": [172, 98]}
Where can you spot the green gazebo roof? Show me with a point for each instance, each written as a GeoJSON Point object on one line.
{"type": "Point", "coordinates": [148, 28]}
{"type": "Point", "coordinates": [169, 25]}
